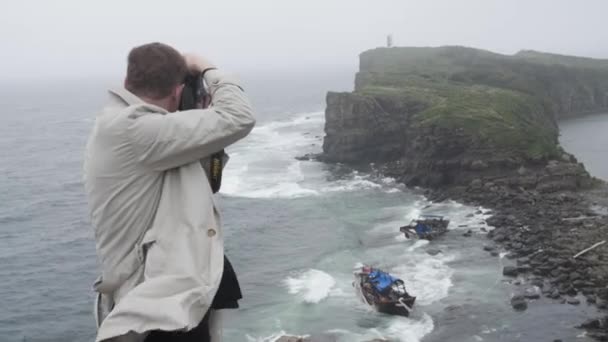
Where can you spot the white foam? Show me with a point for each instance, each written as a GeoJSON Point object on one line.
{"type": "Point", "coordinates": [475, 220]}
{"type": "Point", "coordinates": [426, 277]}
{"type": "Point", "coordinates": [307, 119]}
{"type": "Point", "coordinates": [392, 227]}
{"type": "Point", "coordinates": [392, 186]}
{"type": "Point", "coordinates": [279, 190]}
{"type": "Point", "coordinates": [264, 165]}
{"type": "Point", "coordinates": [355, 182]}
{"type": "Point", "coordinates": [418, 244]}
{"type": "Point", "coordinates": [487, 330]}
{"type": "Point", "coordinates": [397, 329]}
{"type": "Point", "coordinates": [409, 330]}
{"type": "Point", "coordinates": [415, 212]}
{"type": "Point", "coordinates": [401, 238]}
{"type": "Point", "coordinates": [272, 338]}
{"type": "Point", "coordinates": [311, 286]}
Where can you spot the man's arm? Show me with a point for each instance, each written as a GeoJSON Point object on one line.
{"type": "Point", "coordinates": [166, 141]}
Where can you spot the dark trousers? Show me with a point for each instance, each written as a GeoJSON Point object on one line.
{"type": "Point", "coordinates": [198, 334]}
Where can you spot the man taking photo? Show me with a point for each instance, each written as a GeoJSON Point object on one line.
{"type": "Point", "coordinates": [157, 228]}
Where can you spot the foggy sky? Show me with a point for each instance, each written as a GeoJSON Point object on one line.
{"type": "Point", "coordinates": [72, 38]}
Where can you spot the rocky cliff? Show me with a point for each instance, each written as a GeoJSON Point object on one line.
{"type": "Point", "coordinates": [443, 114]}
{"type": "Point", "coordinates": [480, 128]}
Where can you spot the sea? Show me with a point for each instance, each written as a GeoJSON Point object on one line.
{"type": "Point", "coordinates": [294, 230]}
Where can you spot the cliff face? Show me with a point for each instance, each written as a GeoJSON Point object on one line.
{"type": "Point", "coordinates": [361, 128]}
{"type": "Point", "coordinates": [569, 85]}
{"type": "Point", "coordinates": [444, 113]}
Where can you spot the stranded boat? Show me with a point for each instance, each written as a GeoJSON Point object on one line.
{"type": "Point", "coordinates": [382, 291]}
{"type": "Point", "coordinates": [426, 227]}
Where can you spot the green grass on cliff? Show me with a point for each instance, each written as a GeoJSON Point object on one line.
{"type": "Point", "coordinates": [501, 119]}
{"type": "Point", "coordinates": [497, 118]}
{"type": "Point", "coordinates": [555, 59]}
{"type": "Point", "coordinates": [505, 102]}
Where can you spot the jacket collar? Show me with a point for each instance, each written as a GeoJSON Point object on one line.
{"type": "Point", "coordinates": [131, 99]}
{"type": "Point", "coordinates": [126, 96]}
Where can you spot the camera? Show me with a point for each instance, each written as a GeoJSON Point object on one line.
{"type": "Point", "coordinates": [193, 95]}
{"type": "Point", "coordinates": [194, 91]}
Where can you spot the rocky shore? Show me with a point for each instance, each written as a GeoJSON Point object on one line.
{"type": "Point", "coordinates": [544, 220]}
{"type": "Point", "coordinates": [481, 128]}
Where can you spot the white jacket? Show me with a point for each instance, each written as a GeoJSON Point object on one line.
{"type": "Point", "coordinates": [157, 229]}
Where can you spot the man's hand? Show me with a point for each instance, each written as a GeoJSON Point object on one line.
{"type": "Point", "coordinates": [197, 63]}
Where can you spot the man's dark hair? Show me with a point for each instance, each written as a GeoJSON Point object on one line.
{"type": "Point", "coordinates": [154, 70]}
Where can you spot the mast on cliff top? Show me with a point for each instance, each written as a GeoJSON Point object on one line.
{"type": "Point", "coordinates": [389, 41]}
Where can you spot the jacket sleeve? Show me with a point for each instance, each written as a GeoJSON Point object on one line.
{"type": "Point", "coordinates": [163, 142]}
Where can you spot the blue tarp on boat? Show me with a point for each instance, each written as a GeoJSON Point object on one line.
{"type": "Point", "coordinates": [381, 280]}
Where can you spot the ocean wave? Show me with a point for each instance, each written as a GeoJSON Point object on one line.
{"type": "Point", "coordinates": [474, 219]}
{"type": "Point", "coordinates": [271, 338]}
{"type": "Point", "coordinates": [312, 286]}
{"type": "Point", "coordinates": [402, 215]}
{"type": "Point", "coordinates": [264, 165]}
{"type": "Point", "coordinates": [400, 329]}
{"type": "Point", "coordinates": [419, 243]}
{"type": "Point", "coordinates": [409, 330]}
{"type": "Point", "coordinates": [428, 277]}
{"type": "Point", "coordinates": [255, 182]}
{"type": "Point", "coordinates": [357, 182]}
{"type": "Point", "coordinates": [313, 118]}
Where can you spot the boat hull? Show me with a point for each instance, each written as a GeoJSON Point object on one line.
{"type": "Point", "coordinates": [401, 306]}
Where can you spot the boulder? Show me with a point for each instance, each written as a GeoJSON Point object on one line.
{"type": "Point", "coordinates": [521, 171]}
{"type": "Point", "coordinates": [532, 293]}
{"type": "Point", "coordinates": [598, 335]}
{"type": "Point", "coordinates": [519, 303]}
{"type": "Point", "coordinates": [554, 294]}
{"type": "Point", "coordinates": [476, 184]}
{"type": "Point", "coordinates": [538, 282]}
{"type": "Point", "coordinates": [573, 301]}
{"type": "Point", "coordinates": [433, 251]}
{"type": "Point", "coordinates": [597, 323]}
{"type": "Point", "coordinates": [305, 157]}
{"type": "Point", "coordinates": [499, 237]}
{"type": "Point", "coordinates": [602, 293]}
{"type": "Point", "coordinates": [510, 271]}
{"type": "Point", "coordinates": [478, 165]}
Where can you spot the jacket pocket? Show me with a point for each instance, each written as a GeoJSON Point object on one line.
{"type": "Point", "coordinates": [144, 246]}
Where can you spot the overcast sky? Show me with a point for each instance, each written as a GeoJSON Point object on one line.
{"type": "Point", "coordinates": [70, 38]}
